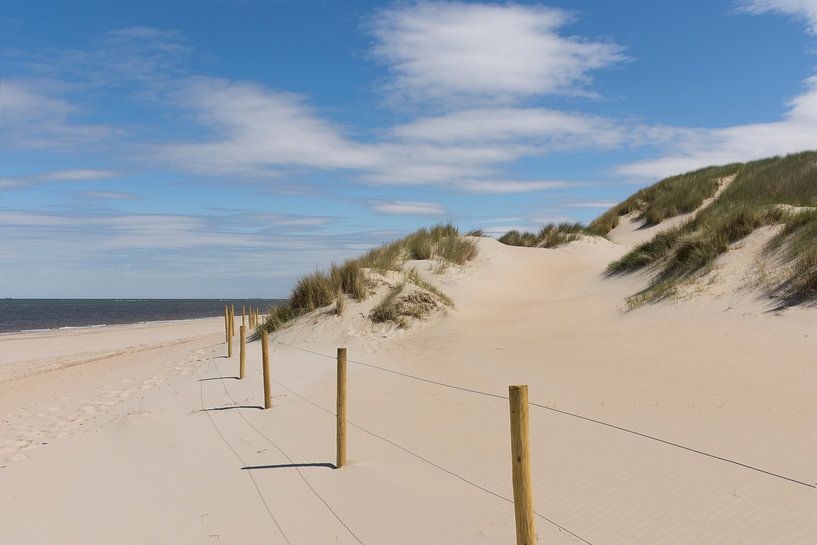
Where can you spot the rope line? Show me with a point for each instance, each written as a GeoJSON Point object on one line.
{"type": "Point", "coordinates": [238, 456]}
{"type": "Point", "coordinates": [565, 413]}
{"type": "Point", "coordinates": [424, 459]}
{"type": "Point", "coordinates": [289, 459]}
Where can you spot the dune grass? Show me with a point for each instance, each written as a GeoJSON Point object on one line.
{"type": "Point", "coordinates": [386, 310]}
{"type": "Point", "coordinates": [670, 197]}
{"type": "Point", "coordinates": [550, 236]}
{"type": "Point", "coordinates": [416, 304]}
{"type": "Point", "coordinates": [752, 200]}
{"type": "Point", "coordinates": [322, 289]}
{"type": "Point", "coordinates": [413, 277]}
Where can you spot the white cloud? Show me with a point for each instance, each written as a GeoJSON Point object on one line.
{"type": "Point", "coordinates": [797, 131]}
{"type": "Point", "coordinates": [800, 9]}
{"type": "Point", "coordinates": [108, 195]}
{"type": "Point", "coordinates": [257, 132]}
{"type": "Point", "coordinates": [71, 175]}
{"type": "Point", "coordinates": [255, 129]}
{"type": "Point", "coordinates": [558, 129]}
{"type": "Point", "coordinates": [32, 119]}
{"type": "Point", "coordinates": [591, 204]}
{"type": "Point", "coordinates": [450, 51]}
{"type": "Point", "coordinates": [413, 208]}
{"type": "Point", "coordinates": [513, 186]}
{"type": "Point", "coordinates": [78, 174]}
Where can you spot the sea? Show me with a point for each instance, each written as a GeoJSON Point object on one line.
{"type": "Point", "coordinates": [44, 314]}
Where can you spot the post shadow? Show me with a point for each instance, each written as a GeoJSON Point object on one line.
{"type": "Point", "coordinates": [284, 466]}
{"type": "Point", "coordinates": [229, 407]}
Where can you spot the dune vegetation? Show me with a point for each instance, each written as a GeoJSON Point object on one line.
{"type": "Point", "coordinates": [354, 278]}
{"type": "Point", "coordinates": [776, 191]}
{"type": "Point", "coordinates": [551, 235]}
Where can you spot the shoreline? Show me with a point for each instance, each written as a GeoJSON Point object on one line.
{"type": "Point", "coordinates": [32, 353]}
{"type": "Point", "coordinates": [100, 326]}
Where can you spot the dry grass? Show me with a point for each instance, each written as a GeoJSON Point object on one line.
{"type": "Point", "coordinates": [386, 310]}
{"type": "Point", "coordinates": [413, 277]}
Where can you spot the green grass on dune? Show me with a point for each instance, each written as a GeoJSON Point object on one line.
{"type": "Point", "coordinates": [550, 236]}
{"type": "Point", "coordinates": [322, 289]}
{"type": "Point", "coordinates": [670, 197]}
{"type": "Point", "coordinates": [751, 201]}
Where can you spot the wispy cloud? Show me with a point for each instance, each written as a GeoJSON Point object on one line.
{"type": "Point", "coordinates": [413, 208]}
{"type": "Point", "coordinates": [590, 204]}
{"type": "Point", "coordinates": [254, 132]}
{"type": "Point", "coordinates": [513, 186]}
{"type": "Point", "coordinates": [33, 119]}
{"type": "Point", "coordinates": [167, 255]}
{"type": "Point", "coordinates": [72, 175]}
{"type": "Point", "coordinates": [805, 10]}
{"type": "Point", "coordinates": [454, 51]}
{"type": "Point", "coordinates": [796, 132]}
{"type": "Point", "coordinates": [107, 195]}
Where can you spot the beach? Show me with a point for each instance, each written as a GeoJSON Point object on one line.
{"type": "Point", "coordinates": [683, 422]}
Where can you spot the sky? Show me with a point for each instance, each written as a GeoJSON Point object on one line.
{"type": "Point", "coordinates": [222, 148]}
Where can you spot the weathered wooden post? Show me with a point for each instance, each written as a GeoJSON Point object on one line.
{"type": "Point", "coordinates": [265, 359]}
{"type": "Point", "coordinates": [341, 410]}
{"type": "Point", "coordinates": [243, 351]}
{"type": "Point", "coordinates": [232, 320]}
{"type": "Point", "coordinates": [243, 314]}
{"type": "Point", "coordinates": [520, 452]}
{"type": "Point", "coordinates": [227, 332]}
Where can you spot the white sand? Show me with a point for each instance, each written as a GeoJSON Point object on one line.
{"type": "Point", "coordinates": [117, 450]}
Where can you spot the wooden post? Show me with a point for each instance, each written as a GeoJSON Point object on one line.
{"type": "Point", "coordinates": [243, 351]}
{"type": "Point", "coordinates": [265, 358]}
{"type": "Point", "coordinates": [232, 320]}
{"type": "Point", "coordinates": [520, 451]}
{"type": "Point", "coordinates": [227, 332]}
{"type": "Point", "coordinates": [341, 410]}
{"type": "Point", "coordinates": [243, 315]}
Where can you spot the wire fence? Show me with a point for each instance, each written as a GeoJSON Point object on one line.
{"type": "Point", "coordinates": [564, 413]}
{"type": "Point", "coordinates": [432, 463]}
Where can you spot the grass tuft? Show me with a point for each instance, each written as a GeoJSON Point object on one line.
{"type": "Point", "coordinates": [386, 310]}
{"type": "Point", "coordinates": [550, 236]}
{"type": "Point", "coordinates": [413, 277]}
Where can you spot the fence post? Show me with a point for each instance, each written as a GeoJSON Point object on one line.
{"type": "Point", "coordinates": [265, 358]}
{"type": "Point", "coordinates": [341, 410]}
{"type": "Point", "coordinates": [243, 351]}
{"type": "Point", "coordinates": [520, 451]}
{"type": "Point", "coordinates": [227, 332]}
{"type": "Point", "coordinates": [243, 314]}
{"type": "Point", "coordinates": [232, 320]}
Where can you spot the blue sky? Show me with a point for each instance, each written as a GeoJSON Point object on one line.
{"type": "Point", "coordinates": [217, 148]}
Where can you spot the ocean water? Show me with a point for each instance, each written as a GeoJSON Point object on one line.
{"type": "Point", "coordinates": [40, 314]}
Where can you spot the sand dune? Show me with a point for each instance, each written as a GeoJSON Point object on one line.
{"type": "Point", "coordinates": [148, 445]}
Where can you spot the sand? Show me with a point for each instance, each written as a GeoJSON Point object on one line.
{"type": "Point", "coordinates": [134, 436]}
